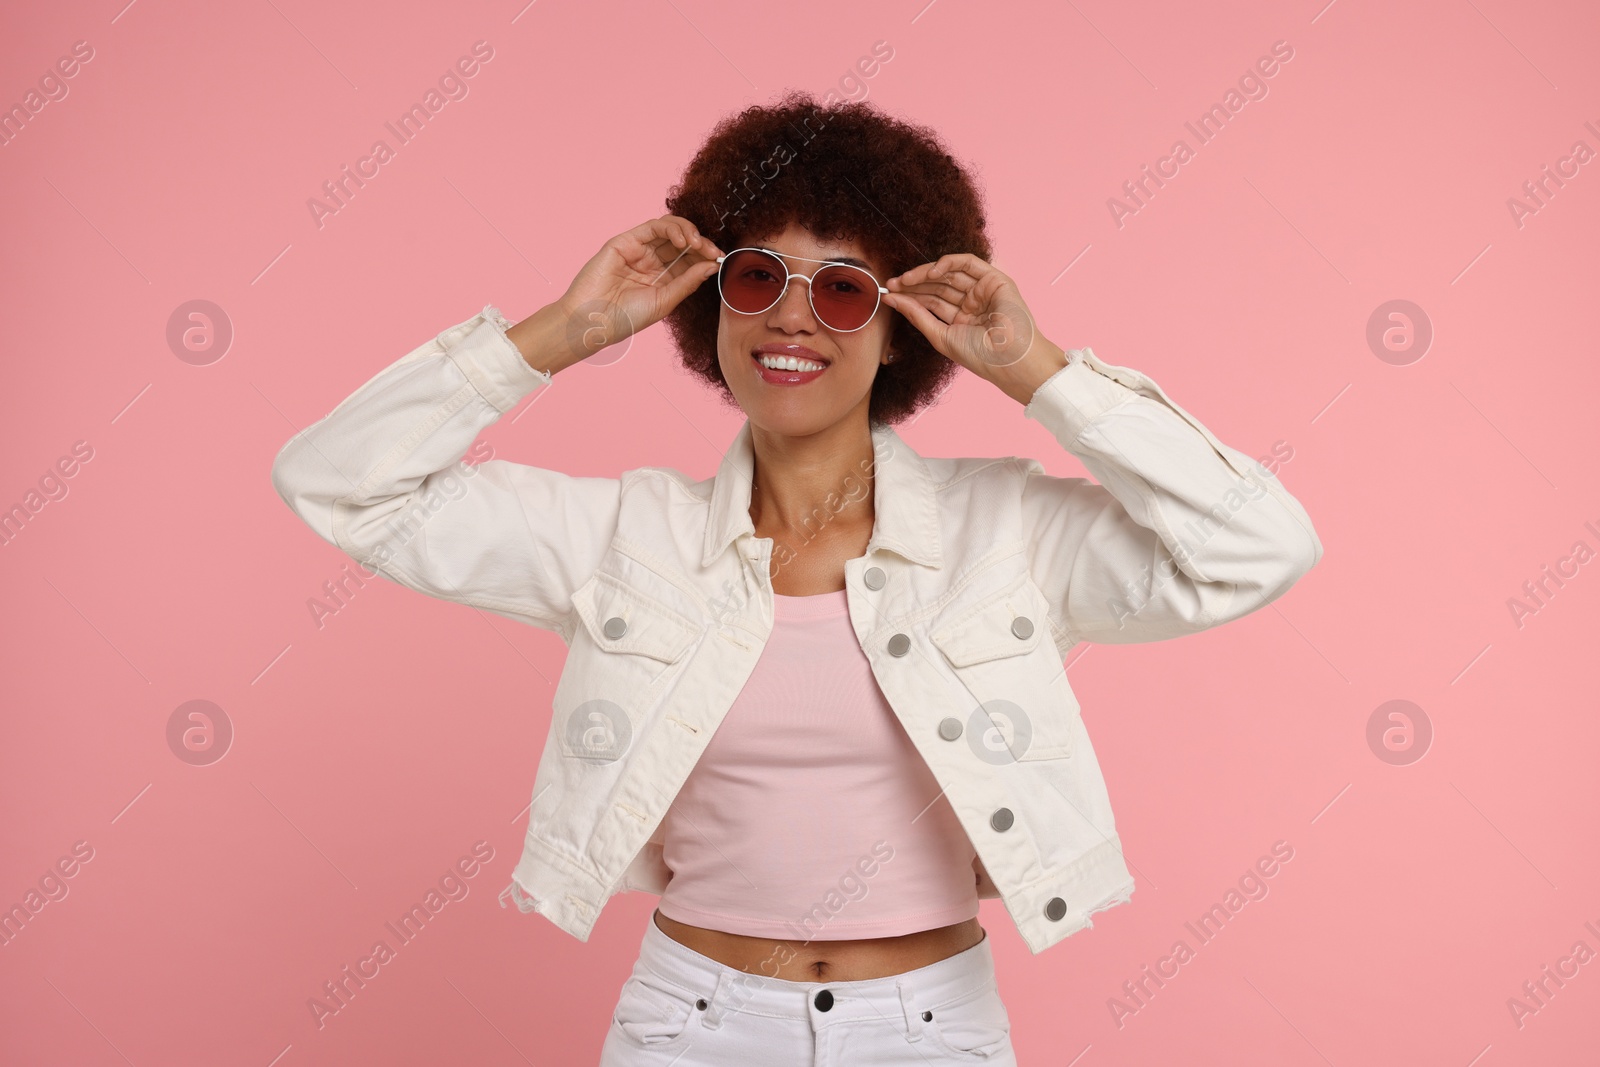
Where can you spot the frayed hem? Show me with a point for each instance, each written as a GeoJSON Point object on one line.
{"type": "Point", "coordinates": [521, 899]}
{"type": "Point", "coordinates": [1123, 895]}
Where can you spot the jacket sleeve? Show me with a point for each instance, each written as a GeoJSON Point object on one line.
{"type": "Point", "coordinates": [1183, 532]}
{"type": "Point", "coordinates": [382, 478]}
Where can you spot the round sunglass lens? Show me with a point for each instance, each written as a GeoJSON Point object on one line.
{"type": "Point", "coordinates": [844, 297]}
{"type": "Point", "coordinates": [752, 281]}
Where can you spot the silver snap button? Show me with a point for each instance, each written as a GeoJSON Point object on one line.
{"type": "Point", "coordinates": [615, 627]}
{"type": "Point", "coordinates": [950, 729]}
{"type": "Point", "coordinates": [873, 578]}
{"type": "Point", "coordinates": [1002, 819]}
{"type": "Point", "coordinates": [899, 645]}
{"type": "Point", "coordinates": [1022, 627]}
{"type": "Point", "coordinates": [1055, 910]}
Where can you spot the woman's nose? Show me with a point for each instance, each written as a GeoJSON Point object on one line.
{"type": "Point", "coordinates": [795, 301]}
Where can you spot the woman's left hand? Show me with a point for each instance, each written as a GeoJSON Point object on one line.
{"type": "Point", "coordinates": [973, 313]}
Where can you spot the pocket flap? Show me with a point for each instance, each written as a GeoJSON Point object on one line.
{"type": "Point", "coordinates": [1009, 624]}
{"type": "Point", "coordinates": [647, 627]}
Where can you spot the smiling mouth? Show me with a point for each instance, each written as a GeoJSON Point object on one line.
{"type": "Point", "coordinates": [787, 370]}
{"type": "Point", "coordinates": [776, 361]}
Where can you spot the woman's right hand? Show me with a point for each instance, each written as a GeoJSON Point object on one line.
{"type": "Point", "coordinates": [635, 280]}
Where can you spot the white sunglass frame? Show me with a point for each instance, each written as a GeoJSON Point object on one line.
{"type": "Point", "coordinates": [791, 275]}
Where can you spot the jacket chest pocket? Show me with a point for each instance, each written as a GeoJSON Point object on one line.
{"type": "Point", "coordinates": [621, 660]}
{"type": "Point", "coordinates": [1000, 651]}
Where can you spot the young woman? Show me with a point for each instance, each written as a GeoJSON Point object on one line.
{"type": "Point", "coordinates": [816, 701]}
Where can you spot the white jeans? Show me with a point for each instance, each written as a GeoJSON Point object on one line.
{"type": "Point", "coordinates": [682, 1008]}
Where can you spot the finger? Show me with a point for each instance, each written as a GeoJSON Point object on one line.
{"type": "Point", "coordinates": [961, 261]}
{"type": "Point", "coordinates": [956, 261]}
{"type": "Point", "coordinates": [939, 289]}
{"type": "Point", "coordinates": [672, 240]}
{"type": "Point", "coordinates": [972, 293]}
{"type": "Point", "coordinates": [914, 276]}
{"type": "Point", "coordinates": [657, 242]}
{"type": "Point", "coordinates": [653, 232]}
{"type": "Point", "coordinates": [967, 283]}
{"type": "Point", "coordinates": [678, 258]}
{"type": "Point", "coordinates": [709, 249]}
{"type": "Point", "coordinates": [973, 301]}
{"type": "Point", "coordinates": [944, 309]}
{"type": "Point", "coordinates": [700, 248]}
{"type": "Point", "coordinates": [690, 242]}
{"type": "Point", "coordinates": [945, 268]}
{"type": "Point", "coordinates": [960, 279]}
{"type": "Point", "coordinates": [660, 260]}
{"type": "Point", "coordinates": [676, 232]}
{"type": "Point", "coordinates": [924, 320]}
{"type": "Point", "coordinates": [680, 287]}
{"type": "Point", "coordinates": [689, 235]}
{"type": "Point", "coordinates": [964, 295]}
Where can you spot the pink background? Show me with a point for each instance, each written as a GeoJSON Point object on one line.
{"type": "Point", "coordinates": [372, 753]}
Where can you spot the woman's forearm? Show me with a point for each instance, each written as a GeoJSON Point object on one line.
{"type": "Point", "coordinates": [545, 340]}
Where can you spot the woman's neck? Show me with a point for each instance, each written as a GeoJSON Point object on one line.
{"type": "Point", "coordinates": [803, 483]}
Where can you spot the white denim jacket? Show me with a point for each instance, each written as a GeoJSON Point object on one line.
{"type": "Point", "coordinates": [980, 575]}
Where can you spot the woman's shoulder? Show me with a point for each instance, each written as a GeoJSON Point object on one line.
{"type": "Point", "coordinates": [950, 471]}
{"type": "Point", "coordinates": [666, 482]}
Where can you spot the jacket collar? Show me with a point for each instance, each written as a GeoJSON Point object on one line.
{"type": "Point", "coordinates": [905, 518]}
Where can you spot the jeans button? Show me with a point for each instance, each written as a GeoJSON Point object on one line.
{"type": "Point", "coordinates": [615, 627]}
{"type": "Point", "coordinates": [899, 645]}
{"type": "Point", "coordinates": [824, 1000]}
{"type": "Point", "coordinates": [873, 578]}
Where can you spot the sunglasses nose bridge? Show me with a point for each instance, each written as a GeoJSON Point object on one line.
{"type": "Point", "coordinates": [810, 307]}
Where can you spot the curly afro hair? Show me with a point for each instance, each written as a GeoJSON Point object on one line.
{"type": "Point", "coordinates": [842, 171]}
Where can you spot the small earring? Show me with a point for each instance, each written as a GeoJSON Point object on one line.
{"type": "Point", "coordinates": [892, 357]}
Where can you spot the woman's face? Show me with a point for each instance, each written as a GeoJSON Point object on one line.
{"type": "Point", "coordinates": [843, 389]}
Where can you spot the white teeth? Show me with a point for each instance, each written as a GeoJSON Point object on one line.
{"type": "Point", "coordinates": [773, 362]}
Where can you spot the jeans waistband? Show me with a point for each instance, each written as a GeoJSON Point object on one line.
{"type": "Point", "coordinates": [900, 998]}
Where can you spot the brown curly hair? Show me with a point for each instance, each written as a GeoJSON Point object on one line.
{"type": "Point", "coordinates": [847, 170]}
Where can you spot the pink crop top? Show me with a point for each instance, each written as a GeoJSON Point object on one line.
{"type": "Point", "coordinates": [810, 815]}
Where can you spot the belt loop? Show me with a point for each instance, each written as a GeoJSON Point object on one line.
{"type": "Point", "coordinates": [913, 1019]}
{"type": "Point", "coordinates": [719, 999]}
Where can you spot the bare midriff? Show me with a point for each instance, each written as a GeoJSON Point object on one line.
{"type": "Point", "coordinates": [825, 961]}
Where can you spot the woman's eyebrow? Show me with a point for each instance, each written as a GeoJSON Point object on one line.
{"type": "Point", "coordinates": [854, 262]}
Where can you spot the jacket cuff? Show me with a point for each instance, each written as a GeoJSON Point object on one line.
{"type": "Point", "coordinates": [492, 363]}
{"type": "Point", "coordinates": [1076, 395]}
